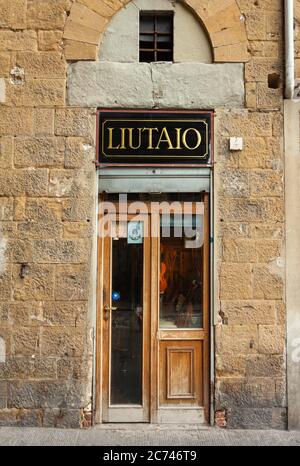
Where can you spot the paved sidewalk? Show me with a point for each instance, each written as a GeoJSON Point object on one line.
{"type": "Point", "coordinates": [146, 435]}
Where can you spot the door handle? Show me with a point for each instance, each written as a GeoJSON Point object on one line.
{"type": "Point", "coordinates": [107, 310]}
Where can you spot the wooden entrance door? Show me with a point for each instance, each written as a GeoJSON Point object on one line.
{"type": "Point", "coordinates": [153, 329]}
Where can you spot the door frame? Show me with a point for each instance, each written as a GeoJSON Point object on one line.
{"type": "Point", "coordinates": [153, 340]}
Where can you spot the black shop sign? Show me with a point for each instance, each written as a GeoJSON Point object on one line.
{"type": "Point", "coordinates": [167, 138]}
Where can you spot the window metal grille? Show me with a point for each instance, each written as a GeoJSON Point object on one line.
{"type": "Point", "coordinates": [156, 37]}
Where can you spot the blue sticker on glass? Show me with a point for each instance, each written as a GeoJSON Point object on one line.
{"type": "Point", "coordinates": [116, 296]}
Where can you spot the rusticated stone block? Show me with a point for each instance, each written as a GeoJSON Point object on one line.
{"type": "Point", "coordinates": [39, 152]}
{"type": "Point", "coordinates": [25, 313]}
{"type": "Point", "coordinates": [21, 182]}
{"type": "Point", "coordinates": [46, 394]}
{"type": "Point", "coordinates": [59, 313]}
{"type": "Point", "coordinates": [50, 40]}
{"type": "Point", "coordinates": [19, 250]}
{"type": "Point", "coordinates": [74, 368]}
{"type": "Point", "coordinates": [21, 417]}
{"type": "Point", "coordinates": [5, 334]}
{"type": "Point", "coordinates": [68, 183]}
{"type": "Point", "coordinates": [3, 394]}
{"type": "Point", "coordinates": [62, 418]}
{"type": "Point", "coordinates": [264, 366]}
{"type": "Point", "coordinates": [4, 308]}
{"type": "Point", "coordinates": [25, 341]}
{"type": "Point", "coordinates": [42, 64]}
{"type": "Point", "coordinates": [4, 64]}
{"type": "Point", "coordinates": [16, 121]}
{"type": "Point", "coordinates": [58, 341]}
{"type": "Point", "coordinates": [17, 40]}
{"type": "Point", "coordinates": [13, 14]}
{"type": "Point", "coordinates": [267, 231]}
{"type": "Point", "coordinates": [76, 155]}
{"type": "Point", "coordinates": [258, 69]}
{"type": "Point", "coordinates": [37, 230]}
{"type": "Point", "coordinates": [74, 230]}
{"type": "Point", "coordinates": [252, 210]}
{"type": "Point", "coordinates": [47, 14]}
{"type": "Point", "coordinates": [256, 418]}
{"type": "Point", "coordinates": [256, 393]}
{"type": "Point", "coordinates": [75, 122]}
{"type": "Point", "coordinates": [236, 339]}
{"type": "Point", "coordinates": [266, 284]}
{"type": "Point", "coordinates": [60, 251]}
{"type": "Point", "coordinates": [72, 282]}
{"type": "Point", "coordinates": [104, 8]}
{"type": "Point", "coordinates": [74, 211]}
{"type": "Point", "coordinates": [235, 183]}
{"type": "Point", "coordinates": [230, 365]}
{"type": "Point", "coordinates": [35, 93]}
{"type": "Point", "coordinates": [83, 16]}
{"type": "Point", "coordinates": [246, 124]}
{"type": "Point", "coordinates": [271, 339]}
{"type": "Point", "coordinates": [43, 210]}
{"type": "Point", "coordinates": [6, 209]}
{"type": "Point", "coordinates": [6, 151]}
{"type": "Point", "coordinates": [235, 281]}
{"type": "Point", "coordinates": [248, 312]}
{"type": "Point", "coordinates": [44, 122]}
{"type": "Point", "coordinates": [256, 25]}
{"type": "Point", "coordinates": [5, 282]}
{"type": "Point", "coordinates": [22, 368]}
{"type": "Point", "coordinates": [37, 284]}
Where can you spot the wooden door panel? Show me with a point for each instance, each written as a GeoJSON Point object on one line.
{"type": "Point", "coordinates": [180, 373]}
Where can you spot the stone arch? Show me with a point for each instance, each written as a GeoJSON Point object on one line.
{"type": "Point", "coordinates": [222, 20]}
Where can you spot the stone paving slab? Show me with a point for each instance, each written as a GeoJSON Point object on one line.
{"type": "Point", "coordinates": [135, 435]}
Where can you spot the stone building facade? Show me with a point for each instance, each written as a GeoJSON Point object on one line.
{"type": "Point", "coordinates": [58, 65]}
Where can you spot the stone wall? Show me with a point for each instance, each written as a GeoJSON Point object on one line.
{"type": "Point", "coordinates": [47, 205]}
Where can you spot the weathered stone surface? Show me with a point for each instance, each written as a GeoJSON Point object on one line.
{"type": "Point", "coordinates": [28, 367]}
{"type": "Point", "coordinates": [37, 230]}
{"type": "Point", "coordinates": [42, 92]}
{"type": "Point", "coordinates": [38, 283]}
{"type": "Point", "coordinates": [65, 313]}
{"type": "Point", "coordinates": [235, 281]}
{"type": "Point", "coordinates": [19, 250]}
{"type": "Point", "coordinates": [235, 183]}
{"type": "Point", "coordinates": [62, 418]}
{"type": "Point", "coordinates": [6, 151]}
{"type": "Point", "coordinates": [264, 366]}
{"type": "Point", "coordinates": [43, 121]}
{"type": "Point", "coordinates": [46, 394]}
{"type": "Point", "coordinates": [73, 368]}
{"type": "Point", "coordinates": [5, 282]}
{"type": "Point", "coordinates": [15, 121]}
{"type": "Point", "coordinates": [42, 64]}
{"type": "Point", "coordinates": [60, 251]}
{"type": "Point", "coordinates": [73, 230]}
{"type": "Point", "coordinates": [43, 210]}
{"type": "Point", "coordinates": [50, 40]}
{"type": "Point", "coordinates": [47, 14]}
{"type": "Point", "coordinates": [4, 64]}
{"type": "Point", "coordinates": [266, 284]}
{"type": "Point", "coordinates": [72, 282]}
{"type": "Point", "coordinates": [18, 40]}
{"type": "Point", "coordinates": [149, 85]}
{"type": "Point", "coordinates": [230, 365]}
{"type": "Point", "coordinates": [39, 152]}
{"type": "Point", "coordinates": [3, 394]}
{"type": "Point", "coordinates": [25, 313]}
{"type": "Point", "coordinates": [74, 122]}
{"type": "Point", "coordinates": [26, 341]}
{"type": "Point", "coordinates": [68, 183]}
{"type": "Point", "coordinates": [76, 154]}
{"type": "Point", "coordinates": [83, 211]}
{"type": "Point", "coordinates": [248, 312]}
{"type": "Point", "coordinates": [252, 210]}
{"type": "Point", "coordinates": [75, 50]}
{"type": "Point", "coordinates": [271, 339]}
{"type": "Point", "coordinates": [246, 393]}
{"type": "Point", "coordinates": [33, 182]}
{"type": "Point", "coordinates": [63, 341]}
{"type": "Point", "coordinates": [6, 209]}
{"type": "Point", "coordinates": [236, 339]}
{"type": "Point", "coordinates": [256, 418]}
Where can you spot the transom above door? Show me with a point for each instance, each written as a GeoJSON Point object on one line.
{"type": "Point", "coordinates": [153, 319]}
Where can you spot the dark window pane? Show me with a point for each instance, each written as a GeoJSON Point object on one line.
{"type": "Point", "coordinates": [164, 24]}
{"type": "Point", "coordinates": [147, 56]}
{"type": "Point", "coordinates": [146, 23]}
{"type": "Point", "coordinates": [164, 56]}
{"type": "Point", "coordinates": [146, 41]}
{"type": "Point", "coordinates": [126, 321]}
{"type": "Point", "coordinates": [164, 42]}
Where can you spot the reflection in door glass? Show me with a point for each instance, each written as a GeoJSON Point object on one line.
{"type": "Point", "coordinates": [127, 320]}
{"type": "Point", "coordinates": [181, 271]}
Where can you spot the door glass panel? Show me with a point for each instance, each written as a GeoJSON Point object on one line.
{"type": "Point", "coordinates": [181, 271]}
{"type": "Point", "coordinates": [127, 319]}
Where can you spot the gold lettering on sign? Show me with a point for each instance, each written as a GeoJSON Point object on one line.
{"type": "Point", "coordinates": [150, 136]}
{"type": "Point", "coordinates": [164, 139]}
{"type": "Point", "coordinates": [198, 139]}
{"type": "Point", "coordinates": [130, 130]}
{"type": "Point", "coordinates": [110, 139]}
